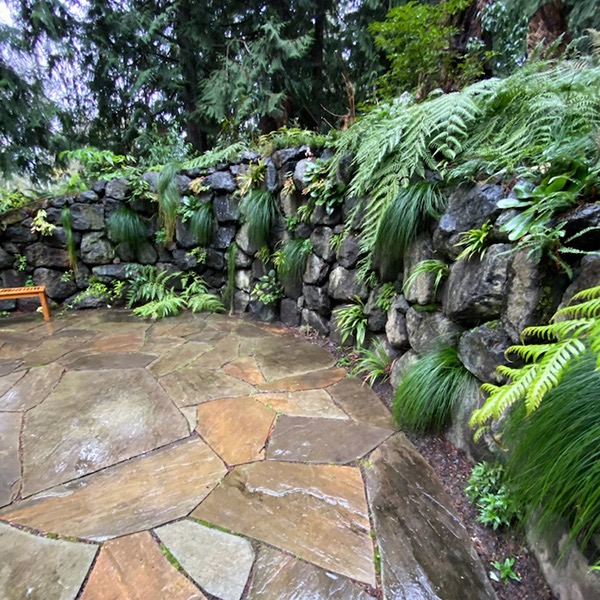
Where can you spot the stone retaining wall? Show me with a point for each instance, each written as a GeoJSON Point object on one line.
{"type": "Point", "coordinates": [482, 306]}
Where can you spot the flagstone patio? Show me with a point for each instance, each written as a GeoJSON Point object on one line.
{"type": "Point", "coordinates": [205, 456]}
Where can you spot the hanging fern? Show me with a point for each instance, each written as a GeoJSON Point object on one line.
{"type": "Point", "coordinates": [573, 331]}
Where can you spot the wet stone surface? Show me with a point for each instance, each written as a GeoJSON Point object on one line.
{"type": "Point", "coordinates": [206, 456]}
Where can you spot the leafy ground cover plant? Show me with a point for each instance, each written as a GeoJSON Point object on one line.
{"type": "Point", "coordinates": [475, 241]}
{"type": "Point", "coordinates": [156, 290]}
{"type": "Point", "coordinates": [503, 571]}
{"type": "Point", "coordinates": [373, 363]}
{"type": "Point", "coordinates": [487, 490]}
{"type": "Point", "coordinates": [385, 297]}
{"type": "Point", "coordinates": [268, 290]}
{"type": "Point", "coordinates": [429, 390]}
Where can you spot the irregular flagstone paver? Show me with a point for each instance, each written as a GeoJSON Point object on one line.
{"type": "Point", "coordinates": [117, 342]}
{"type": "Point", "coordinates": [361, 402]}
{"type": "Point", "coordinates": [14, 350]}
{"type": "Point", "coordinates": [222, 352]}
{"type": "Point", "coordinates": [317, 512]}
{"type": "Point", "coordinates": [278, 576]}
{"type": "Point", "coordinates": [161, 345]}
{"type": "Point", "coordinates": [144, 492]}
{"type": "Point", "coordinates": [191, 415]}
{"type": "Point", "coordinates": [88, 423]}
{"type": "Point", "coordinates": [309, 403]}
{"type": "Point", "coordinates": [280, 357]}
{"type": "Point", "coordinates": [245, 369]}
{"type": "Point", "coordinates": [252, 331]}
{"type": "Point", "coordinates": [39, 568]}
{"type": "Point", "coordinates": [425, 550]}
{"type": "Point", "coordinates": [177, 358]}
{"type": "Point", "coordinates": [218, 562]}
{"type": "Point", "coordinates": [50, 350]}
{"type": "Point", "coordinates": [134, 568]}
{"type": "Point", "coordinates": [236, 428]}
{"type": "Point", "coordinates": [323, 440]}
{"type": "Point", "coordinates": [110, 360]}
{"type": "Point", "coordinates": [189, 327]}
{"type": "Point", "coordinates": [7, 381]}
{"type": "Point", "coordinates": [308, 381]}
{"type": "Point", "coordinates": [9, 366]}
{"type": "Point", "coordinates": [191, 386]}
{"type": "Point", "coordinates": [32, 389]}
{"type": "Point", "coordinates": [10, 465]}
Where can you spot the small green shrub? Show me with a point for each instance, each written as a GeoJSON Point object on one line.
{"type": "Point", "coordinates": [156, 290]}
{"type": "Point", "coordinates": [572, 333]}
{"type": "Point", "coordinates": [352, 322]}
{"type": "Point", "coordinates": [125, 226]}
{"type": "Point", "coordinates": [430, 389]}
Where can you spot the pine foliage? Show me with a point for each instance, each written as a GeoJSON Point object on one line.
{"type": "Point", "coordinates": [573, 331]}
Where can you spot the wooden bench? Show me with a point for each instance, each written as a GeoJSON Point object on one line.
{"type": "Point", "coordinates": [28, 292]}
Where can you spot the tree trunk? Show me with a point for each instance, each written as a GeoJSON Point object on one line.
{"type": "Point", "coordinates": [548, 23]}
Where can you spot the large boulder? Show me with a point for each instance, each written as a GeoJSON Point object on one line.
{"type": "Point", "coordinates": [376, 317]}
{"type": "Point", "coordinates": [532, 294]}
{"type": "Point", "coordinates": [422, 289]}
{"type": "Point", "coordinates": [87, 217]}
{"type": "Point", "coordinates": [482, 349]}
{"type": "Point", "coordinates": [321, 241]}
{"type": "Point", "coordinates": [96, 249]}
{"type": "Point", "coordinates": [289, 313]}
{"type": "Point", "coordinates": [476, 288]}
{"type": "Point", "coordinates": [315, 321]}
{"type": "Point", "coordinates": [345, 285]}
{"type": "Point", "coordinates": [469, 207]}
{"type": "Point", "coordinates": [395, 327]}
{"type": "Point", "coordinates": [221, 181]}
{"type": "Point", "coordinates": [317, 299]}
{"type": "Point", "coordinates": [227, 208]}
{"type": "Point", "coordinates": [427, 330]}
{"type": "Point", "coordinates": [316, 270]}
{"type": "Point", "coordinates": [223, 237]}
{"type": "Point", "coordinates": [40, 255]}
{"type": "Point", "coordinates": [117, 189]}
{"type": "Point", "coordinates": [349, 251]}
{"type": "Point", "coordinates": [58, 287]}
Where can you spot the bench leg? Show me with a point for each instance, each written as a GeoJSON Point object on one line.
{"type": "Point", "coordinates": [45, 307]}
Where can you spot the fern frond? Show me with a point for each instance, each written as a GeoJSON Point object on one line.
{"type": "Point", "coordinates": [203, 302]}
{"type": "Point", "coordinates": [168, 306]}
{"type": "Point", "coordinates": [551, 370]}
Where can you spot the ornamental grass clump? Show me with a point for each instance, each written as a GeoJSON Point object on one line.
{"type": "Point", "coordinates": [430, 389]}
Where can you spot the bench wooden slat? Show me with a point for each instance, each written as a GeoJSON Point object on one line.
{"type": "Point", "coordinates": [28, 292]}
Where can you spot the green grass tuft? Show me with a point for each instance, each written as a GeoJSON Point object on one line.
{"type": "Point", "coordinates": [169, 199]}
{"type": "Point", "coordinates": [202, 224]}
{"type": "Point", "coordinates": [554, 466]}
{"type": "Point", "coordinates": [430, 389]}
{"type": "Point", "coordinates": [259, 209]}
{"type": "Point", "coordinates": [126, 227]}
{"type": "Point", "coordinates": [290, 259]}
{"type": "Point", "coordinates": [403, 219]}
